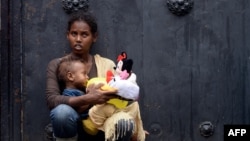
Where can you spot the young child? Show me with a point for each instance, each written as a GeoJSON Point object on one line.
{"type": "Point", "coordinates": [74, 76]}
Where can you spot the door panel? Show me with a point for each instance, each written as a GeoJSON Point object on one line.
{"type": "Point", "coordinates": [196, 69]}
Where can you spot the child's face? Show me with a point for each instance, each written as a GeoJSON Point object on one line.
{"type": "Point", "coordinates": [80, 76]}
{"type": "Point", "coordinates": [80, 37]}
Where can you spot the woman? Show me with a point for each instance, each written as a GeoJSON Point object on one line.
{"type": "Point", "coordinates": [81, 33]}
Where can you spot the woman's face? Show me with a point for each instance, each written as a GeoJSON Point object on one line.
{"type": "Point", "coordinates": [80, 37]}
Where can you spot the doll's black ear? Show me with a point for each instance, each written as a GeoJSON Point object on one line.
{"type": "Point", "coordinates": [127, 65]}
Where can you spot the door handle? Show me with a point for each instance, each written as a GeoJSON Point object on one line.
{"type": "Point", "coordinates": [206, 129]}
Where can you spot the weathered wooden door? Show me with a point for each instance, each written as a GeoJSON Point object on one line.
{"type": "Point", "coordinates": [193, 69]}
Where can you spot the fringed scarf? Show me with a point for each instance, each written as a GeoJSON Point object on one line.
{"type": "Point", "coordinates": [106, 116]}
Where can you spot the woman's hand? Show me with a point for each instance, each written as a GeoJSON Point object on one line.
{"type": "Point", "coordinates": [99, 96]}
{"type": "Point", "coordinates": [94, 95]}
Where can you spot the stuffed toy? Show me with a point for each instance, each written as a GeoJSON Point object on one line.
{"type": "Point", "coordinates": [124, 81]}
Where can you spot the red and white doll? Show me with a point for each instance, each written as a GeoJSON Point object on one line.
{"type": "Point", "coordinates": [124, 80]}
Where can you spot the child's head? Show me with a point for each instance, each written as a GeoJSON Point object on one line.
{"type": "Point", "coordinates": [72, 73]}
